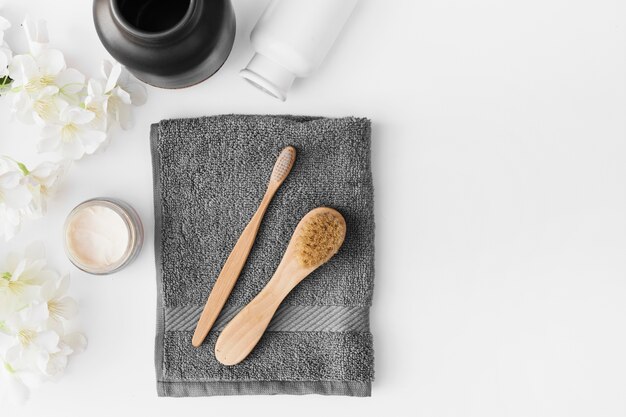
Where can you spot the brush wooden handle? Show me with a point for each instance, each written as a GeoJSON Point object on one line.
{"type": "Point", "coordinates": [229, 274]}
{"type": "Point", "coordinates": [243, 332]}
{"type": "Point", "coordinates": [306, 251]}
{"type": "Point", "coordinates": [237, 258]}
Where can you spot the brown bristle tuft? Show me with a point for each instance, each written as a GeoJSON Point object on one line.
{"type": "Point", "coordinates": [319, 239]}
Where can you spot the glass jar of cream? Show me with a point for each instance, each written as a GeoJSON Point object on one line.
{"type": "Point", "coordinates": [102, 235]}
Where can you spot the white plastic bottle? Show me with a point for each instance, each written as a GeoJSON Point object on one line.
{"type": "Point", "coordinates": [291, 39]}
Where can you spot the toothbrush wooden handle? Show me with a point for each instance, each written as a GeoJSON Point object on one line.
{"type": "Point", "coordinates": [229, 274]}
{"type": "Point", "coordinates": [243, 332]}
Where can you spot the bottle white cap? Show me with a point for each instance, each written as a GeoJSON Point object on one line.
{"type": "Point", "coordinates": [268, 76]}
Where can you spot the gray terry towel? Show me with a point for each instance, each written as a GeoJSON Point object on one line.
{"type": "Point", "coordinates": [209, 177]}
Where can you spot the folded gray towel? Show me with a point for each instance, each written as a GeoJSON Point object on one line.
{"type": "Point", "coordinates": [209, 176]}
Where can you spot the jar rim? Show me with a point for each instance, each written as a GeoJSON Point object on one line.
{"type": "Point", "coordinates": [134, 235]}
{"type": "Point", "coordinates": [144, 34]}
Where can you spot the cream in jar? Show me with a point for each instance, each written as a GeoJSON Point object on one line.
{"type": "Point", "coordinates": [102, 235]}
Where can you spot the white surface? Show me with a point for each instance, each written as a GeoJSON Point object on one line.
{"type": "Point", "coordinates": [499, 150]}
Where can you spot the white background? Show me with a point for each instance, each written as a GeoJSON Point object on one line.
{"type": "Point", "coordinates": [499, 155]}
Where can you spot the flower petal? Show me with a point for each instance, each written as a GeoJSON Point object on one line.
{"type": "Point", "coordinates": [6, 342]}
{"type": "Point", "coordinates": [5, 59]}
{"type": "Point", "coordinates": [48, 289]}
{"type": "Point", "coordinates": [36, 35]}
{"type": "Point", "coordinates": [113, 76]}
{"type": "Point", "coordinates": [138, 93]}
{"type": "Point", "coordinates": [92, 139]}
{"type": "Point", "coordinates": [56, 364]}
{"type": "Point", "coordinates": [73, 149]}
{"type": "Point", "coordinates": [124, 115]}
{"type": "Point", "coordinates": [47, 174]}
{"type": "Point", "coordinates": [17, 197]}
{"type": "Point", "coordinates": [122, 95]}
{"type": "Point", "coordinates": [10, 179]}
{"type": "Point", "coordinates": [79, 116]}
{"type": "Point", "coordinates": [51, 61]}
{"type": "Point", "coordinates": [70, 81]}
{"type": "Point", "coordinates": [48, 340]}
{"type": "Point", "coordinates": [35, 315]}
{"type": "Point", "coordinates": [15, 392]}
{"type": "Point", "coordinates": [18, 270]}
{"type": "Point", "coordinates": [105, 69]}
{"type": "Point", "coordinates": [65, 307]}
{"type": "Point", "coordinates": [4, 24]}
{"type": "Point", "coordinates": [50, 139]}
{"type": "Point", "coordinates": [95, 88]}
{"type": "Point", "coordinates": [22, 69]}
{"type": "Point", "coordinates": [76, 341]}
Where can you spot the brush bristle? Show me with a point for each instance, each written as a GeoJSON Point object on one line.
{"type": "Point", "coordinates": [319, 239]}
{"type": "Point", "coordinates": [283, 164]}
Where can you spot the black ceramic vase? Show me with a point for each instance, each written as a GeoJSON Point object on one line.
{"type": "Point", "coordinates": [167, 43]}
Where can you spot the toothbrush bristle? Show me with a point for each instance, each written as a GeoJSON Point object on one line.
{"type": "Point", "coordinates": [320, 238]}
{"type": "Point", "coordinates": [283, 164]}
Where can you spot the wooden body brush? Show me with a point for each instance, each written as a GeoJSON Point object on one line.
{"type": "Point", "coordinates": [237, 258]}
{"type": "Point", "coordinates": [318, 236]}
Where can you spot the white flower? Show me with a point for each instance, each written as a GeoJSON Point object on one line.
{"type": "Point", "coordinates": [27, 328]}
{"type": "Point", "coordinates": [24, 193]}
{"type": "Point", "coordinates": [72, 135]}
{"type": "Point", "coordinates": [96, 102]}
{"type": "Point", "coordinates": [21, 277]}
{"type": "Point", "coordinates": [123, 91]}
{"type": "Point", "coordinates": [17, 288]}
{"type": "Point", "coordinates": [42, 183]}
{"type": "Point", "coordinates": [31, 74]}
{"type": "Point", "coordinates": [44, 73]}
{"type": "Point", "coordinates": [27, 340]}
{"type": "Point", "coordinates": [40, 107]}
{"type": "Point", "coordinates": [13, 193]}
{"type": "Point", "coordinates": [15, 197]}
{"type": "Point", "coordinates": [70, 82]}
{"type": "Point", "coordinates": [75, 116]}
{"type": "Point", "coordinates": [60, 305]}
{"type": "Point", "coordinates": [68, 344]}
{"type": "Point", "coordinates": [34, 346]}
{"type": "Point", "coordinates": [41, 79]}
{"type": "Point", "coordinates": [15, 383]}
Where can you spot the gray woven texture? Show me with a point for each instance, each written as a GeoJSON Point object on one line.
{"type": "Point", "coordinates": [281, 357]}
{"type": "Point", "coordinates": [287, 318]}
{"type": "Point", "coordinates": [210, 174]}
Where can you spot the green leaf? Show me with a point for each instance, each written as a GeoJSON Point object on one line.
{"type": "Point", "coordinates": [23, 168]}
{"type": "Point", "coordinates": [6, 275]}
{"type": "Point", "coordinates": [5, 81]}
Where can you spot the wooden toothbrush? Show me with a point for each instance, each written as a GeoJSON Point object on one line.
{"type": "Point", "coordinates": [318, 236]}
{"type": "Point", "coordinates": [237, 258]}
